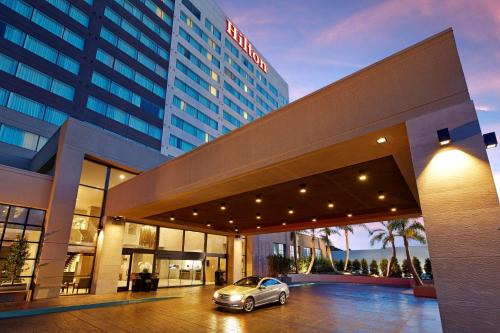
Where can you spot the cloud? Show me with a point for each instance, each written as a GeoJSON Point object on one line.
{"type": "Point", "coordinates": [484, 108]}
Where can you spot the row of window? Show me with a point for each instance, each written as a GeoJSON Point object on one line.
{"type": "Point", "coordinates": [39, 48]}
{"type": "Point", "coordinates": [37, 78]}
{"type": "Point", "coordinates": [190, 129]}
{"type": "Point", "coordinates": [136, 33]}
{"type": "Point", "coordinates": [180, 144]}
{"type": "Point", "coordinates": [130, 73]}
{"type": "Point", "coordinates": [70, 10]}
{"type": "Point", "coordinates": [238, 68]}
{"type": "Point", "coordinates": [237, 94]}
{"type": "Point", "coordinates": [237, 80]}
{"type": "Point", "coordinates": [267, 95]}
{"type": "Point", "coordinates": [197, 46]}
{"type": "Point", "coordinates": [233, 49]}
{"type": "Point", "coordinates": [197, 30]}
{"type": "Point", "coordinates": [232, 119]}
{"type": "Point", "coordinates": [122, 117]}
{"type": "Point", "coordinates": [182, 86]}
{"type": "Point", "coordinates": [17, 137]}
{"type": "Point", "coordinates": [45, 22]}
{"type": "Point", "coordinates": [114, 88]}
{"type": "Point", "coordinates": [196, 78]}
{"type": "Point", "coordinates": [158, 11]}
{"type": "Point", "coordinates": [31, 108]}
{"type": "Point", "coordinates": [237, 108]}
{"type": "Point", "coordinates": [132, 52]}
{"type": "Point", "coordinates": [197, 62]}
{"type": "Point", "coordinates": [138, 14]}
{"type": "Point", "coordinates": [194, 112]}
{"type": "Point", "coordinates": [261, 102]}
{"type": "Point", "coordinates": [212, 29]}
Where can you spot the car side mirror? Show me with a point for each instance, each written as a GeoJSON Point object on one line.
{"type": "Point", "coordinates": [262, 287]}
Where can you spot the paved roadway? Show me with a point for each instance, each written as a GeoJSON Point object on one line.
{"type": "Point", "coordinates": [314, 308]}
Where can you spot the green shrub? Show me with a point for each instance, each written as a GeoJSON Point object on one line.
{"type": "Point", "coordinates": [396, 270]}
{"type": "Point", "coordinates": [322, 265]}
{"type": "Point", "coordinates": [384, 265]}
{"type": "Point", "coordinates": [405, 268]}
{"type": "Point", "coordinates": [417, 265]}
{"type": "Point", "coordinates": [364, 266]}
{"type": "Point", "coordinates": [428, 267]}
{"type": "Point", "coordinates": [303, 264]}
{"type": "Point", "coordinates": [356, 265]}
{"type": "Point", "coordinates": [278, 265]}
{"type": "Point", "coordinates": [374, 267]}
{"type": "Point", "coordinates": [349, 266]}
{"type": "Point", "coordinates": [339, 265]}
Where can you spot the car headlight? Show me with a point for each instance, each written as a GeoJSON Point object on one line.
{"type": "Point", "coordinates": [216, 295]}
{"type": "Point", "coordinates": [235, 298]}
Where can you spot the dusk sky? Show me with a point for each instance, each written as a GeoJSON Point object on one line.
{"type": "Point", "coordinates": [316, 42]}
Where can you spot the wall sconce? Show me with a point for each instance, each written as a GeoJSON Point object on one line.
{"type": "Point", "coordinates": [444, 136]}
{"type": "Point", "coordinates": [490, 140]}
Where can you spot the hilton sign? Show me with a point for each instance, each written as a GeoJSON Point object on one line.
{"type": "Point", "coordinates": [243, 42]}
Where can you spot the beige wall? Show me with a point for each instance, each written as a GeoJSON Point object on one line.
{"type": "Point", "coordinates": [460, 209]}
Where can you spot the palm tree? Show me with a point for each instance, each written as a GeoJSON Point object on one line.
{"type": "Point", "coordinates": [386, 236]}
{"type": "Point", "coordinates": [325, 236]}
{"type": "Point", "coordinates": [347, 229]}
{"type": "Point", "coordinates": [313, 251]}
{"type": "Point", "coordinates": [409, 229]}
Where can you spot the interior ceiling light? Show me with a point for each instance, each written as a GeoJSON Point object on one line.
{"type": "Point", "coordinates": [258, 226]}
{"type": "Point", "coordinates": [258, 198]}
{"type": "Point", "coordinates": [290, 210]}
{"type": "Point", "coordinates": [195, 212]}
{"type": "Point", "coordinates": [172, 217]}
{"type": "Point", "coordinates": [490, 140]}
{"type": "Point", "coordinates": [382, 139]}
{"type": "Point", "coordinates": [349, 215]}
{"type": "Point", "coordinates": [283, 223]}
{"type": "Point", "coordinates": [381, 195]}
{"type": "Point", "coordinates": [222, 206]}
{"type": "Point", "coordinates": [330, 204]}
{"type": "Point", "coordinates": [444, 136]}
{"type": "Point", "coordinates": [209, 225]}
{"type": "Point", "coordinates": [303, 188]}
{"type": "Point", "coordinates": [393, 208]}
{"type": "Point", "coordinates": [258, 216]}
{"type": "Point", "coordinates": [313, 219]}
{"type": "Point", "coordinates": [236, 230]}
{"type": "Point", "coordinates": [122, 176]}
{"type": "Point", "coordinates": [362, 175]}
{"type": "Point", "coordinates": [231, 221]}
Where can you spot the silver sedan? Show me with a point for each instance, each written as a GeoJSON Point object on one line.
{"type": "Point", "coordinates": [250, 292]}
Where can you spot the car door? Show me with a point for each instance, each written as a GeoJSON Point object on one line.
{"type": "Point", "coordinates": [263, 292]}
{"type": "Point", "coordinates": [274, 290]}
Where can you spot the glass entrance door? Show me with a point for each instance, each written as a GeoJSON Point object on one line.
{"type": "Point", "coordinates": [213, 267]}
{"type": "Point", "coordinates": [124, 275]}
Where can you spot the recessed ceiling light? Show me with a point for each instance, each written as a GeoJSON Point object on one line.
{"type": "Point", "coordinates": [381, 195]}
{"type": "Point", "coordinates": [222, 206]}
{"type": "Point", "coordinates": [209, 225]}
{"type": "Point", "coordinates": [362, 175]}
{"type": "Point", "coordinates": [236, 230]}
{"type": "Point", "coordinates": [303, 188]}
{"type": "Point", "coordinates": [313, 219]}
{"type": "Point", "coordinates": [290, 210]}
{"type": "Point", "coordinates": [122, 176]}
{"type": "Point", "coordinates": [393, 209]}
{"type": "Point", "coordinates": [258, 216]}
{"type": "Point", "coordinates": [258, 226]}
{"type": "Point", "coordinates": [195, 212]}
{"type": "Point", "coordinates": [444, 136]}
{"type": "Point", "coordinates": [330, 204]}
{"type": "Point", "coordinates": [283, 223]}
{"type": "Point", "coordinates": [382, 139]}
{"type": "Point", "coordinates": [172, 217]}
{"type": "Point", "coordinates": [231, 221]}
{"type": "Point", "coordinates": [258, 198]}
{"type": "Point", "coordinates": [349, 215]}
{"type": "Point", "coordinates": [490, 140]}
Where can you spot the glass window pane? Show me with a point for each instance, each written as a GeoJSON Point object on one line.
{"type": "Point", "coordinates": [33, 250]}
{"type": "Point", "coordinates": [216, 244]}
{"type": "Point", "coordinates": [18, 214]}
{"type": "Point", "coordinates": [139, 236]}
{"type": "Point", "coordinates": [170, 239]}
{"type": "Point", "coordinates": [36, 217]}
{"type": "Point", "coordinates": [32, 234]}
{"type": "Point", "coordinates": [88, 201]}
{"type": "Point", "coordinates": [194, 241]}
{"type": "Point", "coordinates": [93, 174]}
{"type": "Point", "coordinates": [118, 176]}
{"type": "Point", "coordinates": [4, 209]}
{"type": "Point", "coordinates": [84, 230]}
{"type": "Point", "coordinates": [12, 231]}
{"type": "Point", "coordinates": [4, 251]}
{"type": "Point", "coordinates": [28, 267]}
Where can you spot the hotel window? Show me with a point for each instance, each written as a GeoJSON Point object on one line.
{"type": "Point", "coordinates": [139, 236]}
{"type": "Point", "coordinates": [20, 138]}
{"type": "Point", "coordinates": [192, 8]}
{"type": "Point", "coordinates": [194, 112]}
{"type": "Point", "coordinates": [196, 78]}
{"type": "Point", "coordinates": [20, 223]}
{"type": "Point", "coordinates": [180, 144]}
{"type": "Point", "coordinates": [237, 108]}
{"type": "Point", "coordinates": [232, 119]}
{"type": "Point", "coordinates": [267, 95]}
{"type": "Point", "coordinates": [247, 64]}
{"type": "Point", "coordinates": [158, 11]}
{"type": "Point", "coordinates": [198, 47]}
{"type": "Point", "coordinates": [279, 249]}
{"type": "Point", "coordinates": [216, 244]}
{"type": "Point", "coordinates": [212, 29]}
{"type": "Point", "coordinates": [194, 241]}
{"type": "Point", "coordinates": [238, 68]}
{"type": "Point", "coordinates": [198, 31]}
{"type": "Point", "coordinates": [196, 61]}
{"type": "Point", "coordinates": [238, 95]}
{"type": "Point", "coordinates": [184, 87]}
{"type": "Point", "coordinates": [318, 253]}
{"type": "Point", "coordinates": [170, 239]}
{"type": "Point", "coordinates": [190, 129]}
{"type": "Point", "coordinates": [306, 252]}
{"type": "Point", "coordinates": [70, 10]}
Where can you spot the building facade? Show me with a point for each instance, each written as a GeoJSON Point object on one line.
{"type": "Point", "coordinates": [160, 73]}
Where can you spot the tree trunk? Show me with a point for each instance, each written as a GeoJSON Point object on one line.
{"type": "Point", "coordinates": [329, 253]}
{"type": "Point", "coordinates": [295, 254]}
{"type": "Point", "coordinates": [393, 258]}
{"type": "Point", "coordinates": [346, 249]}
{"type": "Point", "coordinates": [417, 279]}
{"type": "Point", "coordinates": [313, 255]}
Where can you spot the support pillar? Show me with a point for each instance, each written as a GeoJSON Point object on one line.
{"type": "Point", "coordinates": [460, 209]}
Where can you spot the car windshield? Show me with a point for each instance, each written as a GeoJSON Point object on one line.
{"type": "Point", "coordinates": [251, 281]}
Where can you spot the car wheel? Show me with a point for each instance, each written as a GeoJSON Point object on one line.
{"type": "Point", "coordinates": [282, 298]}
{"type": "Point", "coordinates": [249, 304]}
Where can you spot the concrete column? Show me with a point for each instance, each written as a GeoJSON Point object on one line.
{"type": "Point", "coordinates": [460, 209]}
{"type": "Point", "coordinates": [234, 261]}
{"type": "Point", "coordinates": [249, 255]}
{"type": "Point", "coordinates": [109, 258]}
{"type": "Point", "coordinates": [59, 218]}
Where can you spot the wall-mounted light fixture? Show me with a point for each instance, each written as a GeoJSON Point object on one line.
{"type": "Point", "coordinates": [382, 139]}
{"type": "Point", "coordinates": [444, 136]}
{"type": "Point", "coordinates": [490, 140]}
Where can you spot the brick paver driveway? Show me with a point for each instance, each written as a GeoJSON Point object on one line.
{"type": "Point", "coordinates": [313, 308]}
